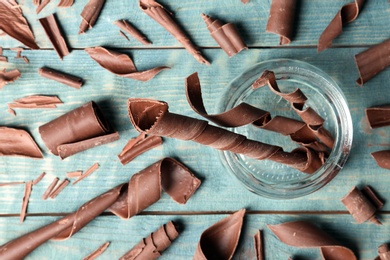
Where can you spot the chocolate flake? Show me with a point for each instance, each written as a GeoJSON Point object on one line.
{"type": "Point", "coordinates": [60, 187]}
{"type": "Point", "coordinates": [90, 14]}
{"type": "Point", "coordinates": [50, 188]}
{"type": "Point", "coordinates": [100, 250]}
{"type": "Point", "coordinates": [121, 64]}
{"type": "Point", "coordinates": [42, 5]}
{"type": "Point", "coordinates": [88, 172]}
{"type": "Point", "coordinates": [17, 142]}
{"type": "Point", "coordinates": [65, 3]}
{"type": "Point", "coordinates": [258, 242]}
{"type": "Point", "coordinates": [281, 19]}
{"type": "Point", "coordinates": [123, 35]}
{"type": "Point", "coordinates": [26, 197]}
{"type": "Point", "coordinates": [74, 174]}
{"type": "Point", "coordinates": [384, 252]}
{"type": "Point", "coordinates": [164, 17]}
{"type": "Point", "coordinates": [39, 178]}
{"type": "Point", "coordinates": [11, 183]}
{"type": "Point", "coordinates": [382, 158]}
{"type": "Point", "coordinates": [61, 77]}
{"type": "Point", "coordinates": [8, 77]}
{"type": "Point", "coordinates": [34, 101]}
{"type": "Point", "coordinates": [130, 29]}
{"type": "Point", "coordinates": [18, 54]}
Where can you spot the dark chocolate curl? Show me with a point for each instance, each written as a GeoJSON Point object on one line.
{"type": "Point", "coordinates": [77, 130]}
{"type": "Point", "coordinates": [161, 15]}
{"type": "Point", "coordinates": [378, 116]}
{"type": "Point", "coordinates": [17, 142]}
{"type": "Point", "coordinates": [152, 246]}
{"type": "Point", "coordinates": [8, 77]}
{"type": "Point", "coordinates": [70, 80]}
{"type": "Point", "coordinates": [130, 29]}
{"type": "Point", "coordinates": [125, 200]}
{"type": "Point", "coordinates": [121, 64]}
{"type": "Point", "coordinates": [90, 14]}
{"type": "Point", "coordinates": [225, 35]}
{"type": "Point", "coordinates": [384, 252]}
{"type": "Point", "coordinates": [281, 19]}
{"type": "Point", "coordinates": [303, 234]}
{"type": "Point", "coordinates": [382, 158]}
{"type": "Point", "coordinates": [348, 13]}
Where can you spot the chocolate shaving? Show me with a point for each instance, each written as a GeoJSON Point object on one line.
{"type": "Point", "coordinates": [65, 3]}
{"type": "Point", "coordinates": [54, 34]}
{"type": "Point", "coordinates": [26, 197]}
{"type": "Point", "coordinates": [42, 5]}
{"type": "Point", "coordinates": [100, 250]}
{"type": "Point", "coordinates": [8, 77]}
{"type": "Point", "coordinates": [164, 17]}
{"type": "Point", "coordinates": [361, 206]}
{"type": "Point", "coordinates": [130, 29]}
{"type": "Point", "coordinates": [347, 14]}
{"type": "Point", "coordinates": [226, 35]}
{"type": "Point", "coordinates": [39, 178]}
{"type": "Point", "coordinates": [382, 158]}
{"type": "Point", "coordinates": [123, 35]}
{"type": "Point", "coordinates": [303, 234]}
{"type": "Point", "coordinates": [74, 174]}
{"type": "Point", "coordinates": [378, 116]}
{"type": "Point", "coordinates": [17, 142]}
{"type": "Point", "coordinates": [3, 59]}
{"type": "Point", "coordinates": [13, 23]}
{"type": "Point", "coordinates": [50, 188]}
{"type": "Point", "coordinates": [121, 64]}
{"type": "Point", "coordinates": [88, 172]}
{"type": "Point", "coordinates": [384, 252]}
{"type": "Point", "coordinates": [220, 240]}
{"type": "Point", "coordinates": [90, 14]}
{"type": "Point", "coordinates": [60, 187]}
{"type": "Point", "coordinates": [18, 54]}
{"type": "Point", "coordinates": [258, 242]}
{"type": "Point", "coordinates": [125, 201]}
{"type": "Point", "coordinates": [34, 101]}
{"type": "Point", "coordinates": [152, 246]}
{"type": "Point", "coordinates": [61, 77]}
{"type": "Point", "coordinates": [78, 130]}
{"type": "Point", "coordinates": [11, 183]}
{"type": "Point", "coordinates": [281, 19]}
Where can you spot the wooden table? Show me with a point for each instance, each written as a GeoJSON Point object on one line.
{"type": "Point", "coordinates": [220, 193]}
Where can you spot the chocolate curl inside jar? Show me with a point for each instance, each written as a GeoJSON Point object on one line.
{"type": "Point", "coordinates": [125, 201]}
{"type": "Point", "coordinates": [384, 252]}
{"type": "Point", "coordinates": [281, 19]}
{"type": "Point", "coordinates": [153, 118]}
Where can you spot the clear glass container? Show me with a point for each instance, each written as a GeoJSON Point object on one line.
{"type": "Point", "coordinates": [271, 179]}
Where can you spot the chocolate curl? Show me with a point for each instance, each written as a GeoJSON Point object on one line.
{"type": "Point", "coordinates": [384, 252]}
{"type": "Point", "coordinates": [17, 142]}
{"type": "Point", "coordinates": [121, 64]}
{"type": "Point", "coordinates": [348, 13]}
{"type": "Point", "coordinates": [161, 15]}
{"type": "Point", "coordinates": [258, 242]}
{"type": "Point", "coordinates": [372, 61]}
{"type": "Point", "coordinates": [65, 3]}
{"type": "Point", "coordinates": [39, 178]}
{"type": "Point", "coordinates": [220, 240]}
{"type": "Point", "coordinates": [130, 29]}
{"type": "Point", "coordinates": [100, 250]}
{"type": "Point", "coordinates": [281, 19]}
{"type": "Point", "coordinates": [64, 78]}
{"type": "Point", "coordinates": [13, 23]}
{"type": "Point", "coordinates": [8, 77]}
{"type": "Point", "coordinates": [77, 130]}
{"type": "Point", "coordinates": [50, 189]}
{"type": "Point", "coordinates": [361, 206]}
{"type": "Point", "coordinates": [378, 116]}
{"type": "Point", "coordinates": [90, 14]}
{"type": "Point", "coordinates": [26, 198]}
{"type": "Point", "coordinates": [125, 201]}
{"type": "Point", "coordinates": [225, 35]}
{"type": "Point", "coordinates": [382, 158]}
{"type": "Point", "coordinates": [245, 1]}
{"type": "Point", "coordinates": [42, 5]}
{"type": "Point", "coordinates": [152, 246]}
{"type": "Point", "coordinates": [34, 101]}
{"type": "Point", "coordinates": [303, 234]}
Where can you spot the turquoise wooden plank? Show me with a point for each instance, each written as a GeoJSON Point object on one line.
{"type": "Point", "coordinates": [251, 20]}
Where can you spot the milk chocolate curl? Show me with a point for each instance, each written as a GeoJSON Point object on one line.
{"type": "Point", "coordinates": [90, 14]}
{"type": "Point", "coordinates": [125, 200]}
{"type": "Point", "coordinates": [61, 77]}
{"type": "Point", "coordinates": [130, 29]}
{"type": "Point", "coordinates": [13, 23]}
{"type": "Point", "coordinates": [225, 35]}
{"type": "Point", "coordinates": [361, 206]}
{"type": "Point", "coordinates": [152, 246]}
{"type": "Point", "coordinates": [65, 3]}
{"type": "Point", "coordinates": [382, 158]}
{"type": "Point", "coordinates": [34, 101]}
{"type": "Point", "coordinates": [258, 242]}
{"type": "Point", "coordinates": [220, 240]}
{"type": "Point", "coordinates": [42, 5]}
{"type": "Point", "coordinates": [100, 250]}
{"type": "Point", "coordinates": [161, 15]}
{"type": "Point", "coordinates": [281, 19]}
{"type": "Point", "coordinates": [121, 64]}
{"type": "Point", "coordinates": [378, 116]}
{"type": "Point", "coordinates": [348, 13]}
{"type": "Point", "coordinates": [384, 252]}
{"type": "Point", "coordinates": [39, 178]}
{"type": "Point", "coordinates": [77, 130]}
{"type": "Point", "coordinates": [8, 77]}
{"type": "Point", "coordinates": [54, 34]}
{"type": "Point", "coordinates": [372, 61]}
{"type": "Point", "coordinates": [17, 142]}
{"type": "Point", "coordinates": [303, 234]}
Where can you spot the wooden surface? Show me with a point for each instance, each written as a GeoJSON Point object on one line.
{"type": "Point", "coordinates": [220, 193]}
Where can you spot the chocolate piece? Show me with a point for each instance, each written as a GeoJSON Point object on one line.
{"type": "Point", "coordinates": [61, 77]}
{"type": "Point", "coordinates": [384, 252]}
{"type": "Point", "coordinates": [65, 3]}
{"type": "Point", "coordinates": [100, 250]}
{"type": "Point", "coordinates": [121, 64]}
{"type": "Point", "coordinates": [152, 117]}
{"type": "Point", "coordinates": [26, 197]}
{"type": "Point", "coordinates": [8, 77]}
{"type": "Point", "coordinates": [123, 35]}
{"type": "Point", "coordinates": [11, 183]}
{"type": "Point", "coordinates": [220, 240]}
{"type": "Point", "coordinates": [164, 17]}
{"type": "Point", "coordinates": [78, 130]}
{"type": "Point", "coordinates": [50, 188]}
{"type": "Point", "coordinates": [18, 54]}
{"type": "Point", "coordinates": [382, 158]}
{"type": "Point", "coordinates": [225, 35]}
{"type": "Point", "coordinates": [152, 246]}
{"type": "Point", "coordinates": [378, 116]}
{"type": "Point", "coordinates": [125, 201]}
{"type": "Point", "coordinates": [34, 101]}
{"type": "Point", "coordinates": [36, 2]}
{"type": "Point", "coordinates": [361, 206]}
{"type": "Point", "coordinates": [90, 14]}
{"type": "Point", "coordinates": [14, 24]}
{"type": "Point", "coordinates": [245, 1]}
{"type": "Point", "coordinates": [60, 187]}
{"type": "Point", "coordinates": [54, 34]}
{"type": "Point", "coordinates": [39, 178]}
{"type": "Point", "coordinates": [42, 5]}
{"type": "Point", "coordinates": [137, 146]}
{"type": "Point", "coordinates": [88, 172]}
{"type": "Point", "coordinates": [258, 242]}
{"type": "Point", "coordinates": [17, 142]}
{"type": "Point", "coordinates": [348, 13]}
{"type": "Point", "coordinates": [303, 234]}
{"type": "Point", "coordinates": [281, 19]}
{"type": "Point", "coordinates": [130, 29]}
{"type": "Point", "coordinates": [74, 174]}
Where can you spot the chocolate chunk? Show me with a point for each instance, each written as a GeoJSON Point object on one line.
{"type": "Point", "coordinates": [42, 5]}
{"type": "Point", "coordinates": [65, 3]}
{"type": "Point", "coordinates": [8, 77]}
{"type": "Point", "coordinates": [54, 34]}
{"type": "Point", "coordinates": [258, 242]}
{"type": "Point", "coordinates": [130, 29]}
{"type": "Point", "coordinates": [378, 116]}
{"type": "Point", "coordinates": [384, 252]}
{"type": "Point", "coordinates": [50, 188]}
{"type": "Point", "coordinates": [61, 77]}
{"type": "Point", "coordinates": [14, 24]}
{"type": "Point", "coordinates": [164, 17]}
{"type": "Point", "coordinates": [348, 13]}
{"type": "Point", "coordinates": [26, 197]}
{"type": "Point", "coordinates": [382, 158]}
{"type": "Point", "coordinates": [226, 35]}
{"type": "Point", "coordinates": [152, 246]}
{"type": "Point", "coordinates": [125, 201]}
{"type": "Point", "coordinates": [17, 142]}
{"type": "Point", "coordinates": [121, 64]}
{"type": "Point", "coordinates": [78, 130]}
{"type": "Point", "coordinates": [303, 234]}
{"type": "Point", "coordinates": [100, 250]}
{"type": "Point", "coordinates": [34, 101]}
{"type": "Point", "coordinates": [220, 240]}
{"type": "Point", "coordinates": [281, 19]}
{"type": "Point", "coordinates": [90, 14]}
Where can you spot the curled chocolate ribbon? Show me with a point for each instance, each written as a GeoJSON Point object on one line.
{"type": "Point", "coordinates": [125, 201]}
{"type": "Point", "coordinates": [90, 14]}
{"type": "Point", "coordinates": [281, 19]}
{"type": "Point", "coordinates": [384, 252]}
{"type": "Point", "coordinates": [34, 101]}
{"type": "Point", "coordinates": [17, 142]}
{"type": "Point", "coordinates": [382, 158]}
{"type": "Point", "coordinates": [347, 14]}
{"type": "Point", "coordinates": [153, 118]}
{"type": "Point", "coordinates": [303, 234]}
